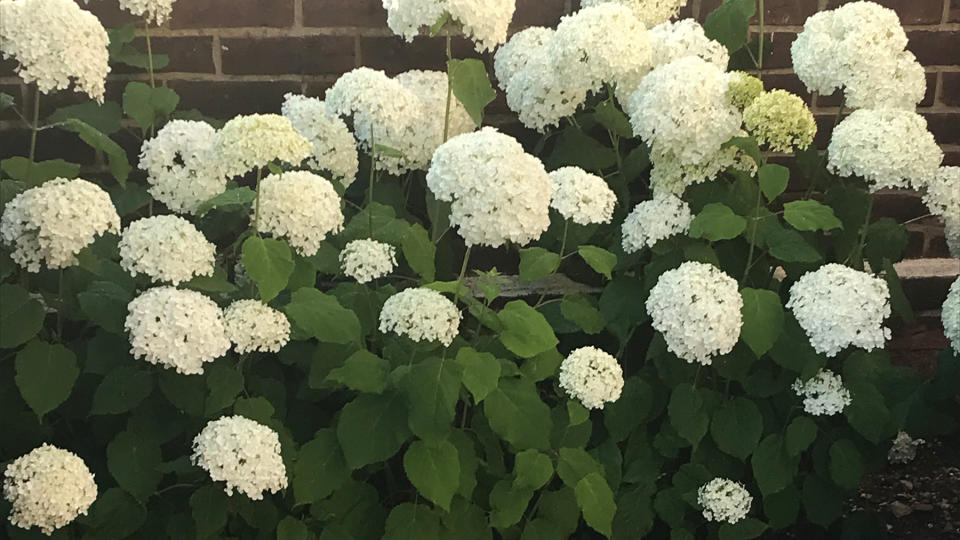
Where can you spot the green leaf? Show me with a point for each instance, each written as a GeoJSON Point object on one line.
{"type": "Point", "coordinates": [105, 117]}
{"type": "Point", "coordinates": [688, 414]}
{"type": "Point", "coordinates": [532, 469]}
{"type": "Point", "coordinates": [438, 24]}
{"type": "Point", "coordinates": [224, 384]}
{"type": "Point", "coordinates": [822, 502]}
{"type": "Point", "coordinates": [434, 469]}
{"type": "Point", "coordinates": [810, 215]}
{"type": "Point", "coordinates": [772, 467]}
{"type": "Point", "coordinates": [6, 101]}
{"type": "Point", "coordinates": [525, 331]}
{"type": "Point", "coordinates": [105, 303]}
{"type": "Point", "coordinates": [745, 529]}
{"type": "Point", "coordinates": [185, 392]}
{"type": "Point", "coordinates": [736, 427]}
{"type": "Point", "coordinates": [420, 252]}
{"type": "Point", "coordinates": [517, 414]}
{"type": "Point", "coordinates": [217, 283]}
{"type": "Point", "coordinates": [789, 246]}
{"type": "Point", "coordinates": [19, 168]}
{"type": "Point", "coordinates": [145, 104]}
{"type": "Point", "coordinates": [372, 428]}
{"type": "Point", "coordinates": [578, 309]}
{"type": "Point", "coordinates": [868, 413]}
{"type": "Point", "coordinates": [801, 433]}
{"type": "Point", "coordinates": [291, 528]}
{"type": "Point", "coordinates": [471, 85]}
{"type": "Point", "coordinates": [117, 160]}
{"type": "Point", "coordinates": [121, 390]}
{"type": "Point", "coordinates": [613, 119]}
{"type": "Point", "coordinates": [432, 388]}
{"type": "Point", "coordinates": [542, 366]}
{"type": "Point", "coordinates": [729, 23]}
{"type": "Point", "coordinates": [508, 503]}
{"type": "Point", "coordinates": [410, 521]}
{"type": "Point", "coordinates": [621, 304]}
{"type": "Point", "coordinates": [21, 316]}
{"type": "Point", "coordinates": [634, 407]}
{"type": "Point", "coordinates": [45, 375]}
{"type": "Point", "coordinates": [269, 263]}
{"type": "Point", "coordinates": [773, 180]}
{"type": "Point", "coordinates": [886, 239]}
{"type": "Point", "coordinates": [717, 222]}
{"type": "Point", "coordinates": [320, 468]}
{"type": "Point", "coordinates": [747, 145]}
{"type": "Point", "coordinates": [574, 147]}
{"type": "Point", "coordinates": [577, 413]}
{"type": "Point", "coordinates": [209, 505]}
{"type": "Point", "coordinates": [596, 501]}
{"type": "Point", "coordinates": [115, 514]}
{"type": "Point", "coordinates": [321, 316]}
{"type": "Point", "coordinates": [258, 409]}
{"type": "Point", "coordinates": [132, 461]}
{"type": "Point", "coordinates": [574, 464]}
{"type": "Point", "coordinates": [362, 371]}
{"type": "Point", "coordinates": [898, 298]}
{"type": "Point", "coordinates": [762, 319]}
{"type": "Point", "coordinates": [846, 465]}
{"type": "Point", "coordinates": [601, 260]}
{"type": "Point", "coordinates": [480, 372]}
{"type": "Point", "coordinates": [781, 508]}
{"type": "Point", "coordinates": [232, 197]}
{"type": "Point", "coordinates": [536, 263]}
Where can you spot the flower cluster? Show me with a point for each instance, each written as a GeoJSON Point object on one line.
{"type": "Point", "coordinates": [697, 309]}
{"type": "Point", "coordinates": [824, 394]}
{"type": "Point", "coordinates": [651, 221]}
{"type": "Point", "coordinates": [724, 500]}
{"type": "Point", "coordinates": [51, 223]}
{"type": "Point", "coordinates": [669, 175]}
{"type": "Point", "coordinates": [942, 197]}
{"type": "Point", "coordinates": [166, 248]}
{"type": "Point", "coordinates": [155, 11]}
{"type": "Point", "coordinates": [743, 89]}
{"type": "Point", "coordinates": [366, 260]}
{"type": "Point", "coordinates": [421, 315]}
{"type": "Point", "coordinates": [48, 488]}
{"type": "Point", "coordinates": [650, 12]}
{"type": "Point", "coordinates": [247, 142]}
{"type": "Point", "coordinates": [904, 449]}
{"type": "Point", "coordinates": [483, 21]}
{"type": "Point", "coordinates": [253, 326]}
{"type": "Point", "coordinates": [55, 42]}
{"type": "Point", "coordinates": [592, 377]}
{"type": "Point", "coordinates": [674, 40]}
{"type": "Point", "coordinates": [334, 148]}
{"type": "Point", "coordinates": [427, 133]}
{"type": "Point", "coordinates": [581, 197]}
{"type": "Point", "coordinates": [839, 307]}
{"type": "Point", "coordinates": [181, 168]}
{"type": "Point", "coordinates": [176, 329]}
{"type": "Point", "coordinates": [299, 206]}
{"type": "Point", "coordinates": [498, 192]}
{"type": "Point", "coordinates": [243, 453]}
{"type": "Point", "coordinates": [950, 315]}
{"type": "Point", "coordinates": [780, 120]}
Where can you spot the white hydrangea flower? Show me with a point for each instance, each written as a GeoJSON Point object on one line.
{"type": "Point", "coordinates": [942, 192]}
{"type": "Point", "coordinates": [177, 329]}
{"type": "Point", "coordinates": [669, 175]}
{"type": "Point", "coordinates": [255, 140]}
{"type": "Point", "coordinates": [888, 148]}
{"type": "Point", "coordinates": [650, 12]}
{"type": "Point", "coordinates": [181, 168]}
{"type": "Point", "coordinates": [366, 260]}
{"type": "Point", "coordinates": [697, 309]}
{"type": "Point", "coordinates": [663, 216]}
{"type": "Point", "coordinates": [55, 42]}
{"type": "Point", "coordinates": [421, 315]}
{"type": "Point", "coordinates": [904, 449]}
{"type": "Point", "coordinates": [592, 377]}
{"type": "Point", "coordinates": [724, 500]}
{"type": "Point", "coordinates": [514, 56]}
{"type": "Point", "coordinates": [743, 89]}
{"type": "Point", "coordinates": [780, 120]}
{"type": "Point", "coordinates": [581, 197]}
{"type": "Point", "coordinates": [898, 82]}
{"type": "Point", "coordinates": [839, 307]}
{"type": "Point", "coordinates": [540, 95]}
{"type": "Point", "coordinates": [48, 488]}
{"type": "Point", "coordinates": [334, 148]}
{"type": "Point", "coordinates": [301, 207]}
{"type": "Point", "coordinates": [426, 134]}
{"type": "Point", "coordinates": [951, 230]}
{"type": "Point", "coordinates": [824, 394]}
{"type": "Point", "coordinates": [243, 453]}
{"type": "Point", "coordinates": [155, 11]}
{"type": "Point", "coordinates": [682, 108]}
{"type": "Point", "coordinates": [405, 17]}
{"type": "Point", "coordinates": [253, 326]}
{"type": "Point", "coordinates": [484, 21]}
{"type": "Point", "coordinates": [498, 192]}
{"type": "Point", "coordinates": [950, 316]}
{"type": "Point", "coordinates": [674, 40]}
{"type": "Point", "coordinates": [52, 222]}
{"type": "Point", "coordinates": [166, 248]}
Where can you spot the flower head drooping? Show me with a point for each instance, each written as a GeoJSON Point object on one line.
{"type": "Point", "coordinates": [421, 315]}
{"type": "Point", "coordinates": [48, 488]}
{"type": "Point", "coordinates": [839, 307]}
{"type": "Point", "coordinates": [484, 21]}
{"type": "Point", "coordinates": [498, 192]}
{"type": "Point", "coordinates": [177, 329]}
{"type": "Point", "coordinates": [334, 148]}
{"type": "Point", "coordinates": [55, 43]}
{"type": "Point", "coordinates": [592, 377]}
{"type": "Point", "coordinates": [426, 134]}
{"type": "Point", "coordinates": [824, 394]}
{"type": "Point", "coordinates": [674, 40]}
{"type": "Point", "coordinates": [301, 207]}
{"type": "Point", "coordinates": [253, 326]}
{"type": "Point", "coordinates": [581, 197]}
{"type": "Point", "coordinates": [904, 449]}
{"type": "Point", "coordinates": [154, 11]}
{"type": "Point", "coordinates": [781, 121]}
{"type": "Point", "coordinates": [52, 222]}
{"type": "Point", "coordinates": [166, 248]}
{"type": "Point", "coordinates": [651, 221]}
{"type": "Point", "coordinates": [724, 500]}
{"type": "Point", "coordinates": [942, 193]}
{"type": "Point", "coordinates": [887, 148]}
{"type": "Point", "coordinates": [650, 12]}
{"type": "Point", "coordinates": [247, 142]}
{"type": "Point", "coordinates": [181, 168]}
{"type": "Point", "coordinates": [243, 453]}
{"type": "Point", "coordinates": [697, 309]}
{"type": "Point", "coordinates": [950, 316]}
{"type": "Point", "coordinates": [366, 260]}
{"type": "Point", "coordinates": [743, 89]}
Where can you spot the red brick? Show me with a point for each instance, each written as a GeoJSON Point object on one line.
{"type": "Point", "coordinates": [317, 89]}
{"type": "Point", "coordinates": [899, 205]}
{"type": "Point", "coordinates": [927, 293]}
{"type": "Point", "coordinates": [937, 246]}
{"type": "Point", "coordinates": [775, 12]}
{"type": "Point", "coordinates": [63, 98]}
{"type": "Point", "coordinates": [910, 11]}
{"type": "Point", "coordinates": [537, 13]}
{"type": "Point", "coordinates": [951, 158]}
{"type": "Point", "coordinates": [825, 124]}
{"type": "Point", "coordinates": [337, 13]}
{"type": "Point", "coordinates": [224, 100]}
{"type": "Point", "coordinates": [950, 88]}
{"type": "Point", "coordinates": [954, 14]}
{"type": "Point", "coordinates": [187, 54]}
{"type": "Point", "coordinates": [313, 55]}
{"type": "Point", "coordinates": [51, 144]}
{"type": "Point", "coordinates": [786, 81]}
{"type": "Point", "coordinates": [393, 55]}
{"type": "Point", "coordinates": [935, 48]}
{"type": "Point", "coordinates": [109, 13]}
{"type": "Point", "coordinates": [945, 127]}
{"type": "Point", "coordinates": [232, 13]}
{"type": "Point", "coordinates": [779, 56]}
{"type": "Point", "coordinates": [915, 241]}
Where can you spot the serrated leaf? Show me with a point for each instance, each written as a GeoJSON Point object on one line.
{"type": "Point", "coordinates": [105, 117]}
{"type": "Point", "coordinates": [613, 119]}
{"type": "Point", "coordinates": [471, 85]}
{"type": "Point", "coordinates": [525, 331]}
{"type": "Point", "coordinates": [801, 433]}
{"type": "Point", "coordinates": [789, 246]}
{"type": "Point", "coordinates": [362, 371]}
{"type": "Point", "coordinates": [232, 197]}
{"type": "Point", "coordinates": [480, 372]}
{"type": "Point", "coordinates": [121, 390]}
{"type": "Point", "coordinates": [269, 263]}
{"type": "Point", "coordinates": [115, 514]}
{"type": "Point", "coordinates": [434, 469]}
{"type": "Point", "coordinates": [420, 252]}
{"type": "Point", "coordinates": [432, 388]}
{"type": "Point", "coordinates": [21, 316]}
{"type": "Point", "coordinates": [105, 303]}
{"type": "Point", "coordinates": [729, 23]}
{"type": "Point", "coordinates": [145, 104]}
{"type": "Point", "coordinates": [574, 147]}
{"type": "Point", "coordinates": [508, 503]}
{"type": "Point", "coordinates": [291, 528]}
{"type": "Point", "coordinates": [846, 465]}
{"type": "Point", "coordinates": [132, 461]}
{"type": "Point", "coordinates": [596, 502]}
{"type": "Point", "coordinates": [573, 464]}
{"type": "Point", "coordinates": [410, 521]}
{"type": "Point", "coordinates": [688, 414]}
{"type": "Point", "coordinates": [578, 309]}
{"type": "Point", "coordinates": [45, 374]}
{"type": "Point", "coordinates": [773, 180]}
{"type": "Point", "coordinates": [372, 428]}
{"type": "Point", "coordinates": [744, 529]}
{"type": "Point", "coordinates": [536, 263]}
{"type": "Point", "coordinates": [810, 215]}
{"type": "Point", "coordinates": [772, 467]}
{"type": "Point", "coordinates": [736, 427]}
{"type": "Point", "coordinates": [601, 260]}
{"type": "Point", "coordinates": [209, 505]}
{"type": "Point", "coordinates": [517, 414]}
{"type": "Point", "coordinates": [320, 468]}
{"type": "Point", "coordinates": [117, 160]}
{"type": "Point", "coordinates": [19, 168]}
{"type": "Point", "coordinates": [532, 469]}
{"type": "Point", "coordinates": [717, 222]}
{"type": "Point", "coordinates": [762, 319]}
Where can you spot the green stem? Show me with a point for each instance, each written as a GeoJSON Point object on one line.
{"type": "Point", "coordinates": [463, 273]}
{"type": "Point", "coordinates": [753, 238]}
{"type": "Point", "coordinates": [563, 247]}
{"type": "Point", "coordinates": [373, 179]}
{"type": "Point", "coordinates": [146, 34]}
{"type": "Point", "coordinates": [823, 158]}
{"type": "Point", "coordinates": [256, 208]}
{"type": "Point", "coordinates": [863, 235]}
{"type": "Point", "coordinates": [760, 44]}
{"type": "Point", "coordinates": [60, 307]}
{"type": "Point", "coordinates": [33, 130]}
{"type": "Point", "coordinates": [446, 115]}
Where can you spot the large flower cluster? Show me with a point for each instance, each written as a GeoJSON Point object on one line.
{"type": "Point", "coordinates": [650, 12]}
{"type": "Point", "coordinates": [651, 221]}
{"type": "Point", "coordinates": [181, 168]}
{"type": "Point", "coordinates": [674, 40]}
{"type": "Point", "coordinates": [155, 11]}
{"type": "Point", "coordinates": [55, 42]}
{"type": "Point", "coordinates": [950, 315]}
{"type": "Point", "coordinates": [334, 148]}
{"type": "Point", "coordinates": [670, 175]}
{"type": "Point", "coordinates": [51, 223]}
{"type": "Point", "coordinates": [499, 193]}
{"type": "Point", "coordinates": [243, 453]}
{"type": "Point", "coordinates": [483, 21]}
{"type": "Point", "coordinates": [427, 133]}
{"type": "Point", "coordinates": [592, 377]}
{"type": "Point", "coordinates": [176, 329]}
{"type": "Point", "coordinates": [247, 142]}
{"type": "Point", "coordinates": [253, 326]}
{"type": "Point", "coordinates": [839, 307]}
{"type": "Point", "coordinates": [421, 315]}
{"type": "Point", "coordinates": [780, 120]}
{"type": "Point", "coordinates": [697, 309]}
{"type": "Point", "coordinates": [823, 394]}
{"type": "Point", "coordinates": [48, 488]}
{"type": "Point", "coordinates": [301, 207]}
{"type": "Point", "coordinates": [166, 248]}
{"type": "Point", "coordinates": [581, 197]}
{"type": "Point", "coordinates": [366, 260]}
{"type": "Point", "coordinates": [724, 500]}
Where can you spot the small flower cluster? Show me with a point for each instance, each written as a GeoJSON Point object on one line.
{"type": "Point", "coordinates": [650, 221]}
{"type": "Point", "coordinates": [484, 21]}
{"type": "Point", "coordinates": [904, 449]}
{"type": "Point", "coordinates": [724, 500]}
{"type": "Point", "coordinates": [243, 453]}
{"type": "Point", "coordinates": [153, 11]}
{"type": "Point", "coordinates": [366, 260]}
{"type": "Point", "coordinates": [253, 326]}
{"type": "Point", "coordinates": [421, 315]}
{"type": "Point", "coordinates": [299, 206]}
{"type": "Point", "coordinates": [780, 120]}
{"type": "Point", "coordinates": [581, 197]}
{"type": "Point", "coordinates": [592, 377]}
{"type": "Point", "coordinates": [824, 394]}
{"type": "Point", "coordinates": [251, 141]}
{"type": "Point", "coordinates": [950, 315]}
{"type": "Point", "coordinates": [650, 12]}
{"type": "Point", "coordinates": [334, 148]}
{"type": "Point", "coordinates": [743, 89]}
{"type": "Point", "coordinates": [166, 248]}
{"type": "Point", "coordinates": [942, 197]}
{"type": "Point", "coordinates": [181, 168]}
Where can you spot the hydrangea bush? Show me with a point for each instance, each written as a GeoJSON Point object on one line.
{"type": "Point", "coordinates": [373, 315]}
